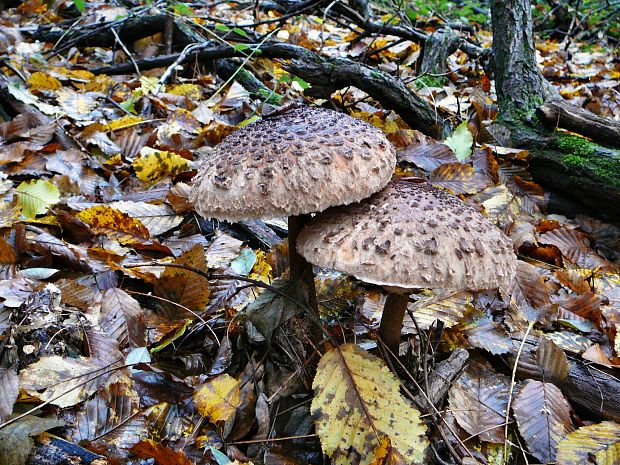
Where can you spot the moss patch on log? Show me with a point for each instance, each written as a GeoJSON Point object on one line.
{"type": "Point", "coordinates": [601, 163]}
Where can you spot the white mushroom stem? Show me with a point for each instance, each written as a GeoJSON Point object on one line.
{"type": "Point", "coordinates": [392, 320]}
{"type": "Point", "coordinates": [299, 268]}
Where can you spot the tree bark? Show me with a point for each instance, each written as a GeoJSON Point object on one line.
{"type": "Point", "coordinates": [575, 119]}
{"type": "Point", "coordinates": [584, 174]}
{"type": "Point", "coordinates": [519, 84]}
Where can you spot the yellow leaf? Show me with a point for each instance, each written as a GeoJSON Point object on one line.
{"type": "Point", "coordinates": [219, 398]}
{"type": "Point", "coordinates": [124, 122]}
{"type": "Point", "coordinates": [105, 220]}
{"type": "Point", "coordinates": [598, 444]}
{"type": "Point", "coordinates": [42, 81]}
{"type": "Point", "coordinates": [154, 165]}
{"type": "Point", "coordinates": [101, 83]}
{"type": "Point", "coordinates": [261, 269]}
{"type": "Point", "coordinates": [75, 74]}
{"type": "Point", "coordinates": [189, 90]}
{"type": "Point", "coordinates": [148, 84]}
{"type": "Point", "coordinates": [357, 403]}
{"type": "Point", "coordinates": [35, 197]}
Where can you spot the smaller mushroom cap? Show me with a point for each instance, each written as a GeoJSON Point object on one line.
{"type": "Point", "coordinates": [410, 236]}
{"type": "Point", "coordinates": [300, 161]}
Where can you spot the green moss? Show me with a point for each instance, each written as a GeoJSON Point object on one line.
{"type": "Point", "coordinates": [430, 81]}
{"type": "Point", "coordinates": [575, 145]}
{"type": "Point", "coordinates": [574, 161]}
{"type": "Point", "coordinates": [580, 153]}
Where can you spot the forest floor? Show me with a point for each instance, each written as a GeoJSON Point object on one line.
{"type": "Point", "coordinates": [104, 360]}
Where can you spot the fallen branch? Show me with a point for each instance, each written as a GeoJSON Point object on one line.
{"type": "Point", "coordinates": [326, 74]}
{"type": "Point", "coordinates": [575, 119]}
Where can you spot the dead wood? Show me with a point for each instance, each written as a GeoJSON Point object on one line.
{"type": "Point", "coordinates": [440, 380]}
{"type": "Point", "coordinates": [593, 390]}
{"type": "Point", "coordinates": [575, 119]}
{"type": "Point", "coordinates": [51, 450]}
{"type": "Point", "coordinates": [326, 74]}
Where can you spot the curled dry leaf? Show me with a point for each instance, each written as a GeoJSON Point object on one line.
{"type": "Point", "coordinates": [531, 293]}
{"type": "Point", "coordinates": [553, 361]}
{"type": "Point", "coordinates": [543, 418]}
{"type": "Point", "coordinates": [575, 246]}
{"type": "Point", "coordinates": [360, 414]}
{"type": "Point", "coordinates": [428, 156]}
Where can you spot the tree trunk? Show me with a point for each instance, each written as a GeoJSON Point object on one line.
{"type": "Point", "coordinates": [519, 84]}
{"type": "Point", "coordinates": [583, 175]}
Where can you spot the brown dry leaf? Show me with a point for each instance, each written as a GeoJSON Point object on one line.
{"type": "Point", "coordinates": [574, 280]}
{"type": "Point", "coordinates": [428, 156]}
{"type": "Point", "coordinates": [479, 399]}
{"type": "Point", "coordinates": [598, 444]}
{"type": "Point", "coordinates": [543, 418]}
{"type": "Point", "coordinates": [530, 293]}
{"type": "Point", "coordinates": [458, 178]}
{"type": "Point", "coordinates": [46, 245]}
{"type": "Point", "coordinates": [553, 361]}
{"type": "Point", "coordinates": [477, 329]}
{"type": "Point", "coordinates": [113, 413]}
{"type": "Point", "coordinates": [122, 318]}
{"type": "Point", "coordinates": [219, 398]}
{"type": "Point", "coordinates": [163, 455]}
{"type": "Point", "coordinates": [357, 402]}
{"type": "Point", "coordinates": [587, 305]}
{"type": "Point", "coordinates": [184, 287]}
{"type": "Point", "coordinates": [595, 354]}
{"type": "Point", "coordinates": [534, 197]}
{"type": "Point", "coordinates": [575, 246]}
{"type": "Point", "coordinates": [7, 253]}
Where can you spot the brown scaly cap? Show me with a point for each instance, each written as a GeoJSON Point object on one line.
{"type": "Point", "coordinates": [409, 236]}
{"type": "Point", "coordinates": [301, 161]}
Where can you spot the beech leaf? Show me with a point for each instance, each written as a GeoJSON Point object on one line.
{"type": "Point", "coordinates": [360, 414]}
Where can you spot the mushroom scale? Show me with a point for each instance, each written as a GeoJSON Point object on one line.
{"type": "Point", "coordinates": [411, 236]}
{"type": "Point", "coordinates": [300, 161]}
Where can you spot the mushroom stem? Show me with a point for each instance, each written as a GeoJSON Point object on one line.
{"type": "Point", "coordinates": [299, 267]}
{"type": "Point", "coordinates": [392, 320]}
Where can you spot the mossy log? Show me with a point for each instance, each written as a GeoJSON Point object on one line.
{"type": "Point", "coordinates": [581, 176]}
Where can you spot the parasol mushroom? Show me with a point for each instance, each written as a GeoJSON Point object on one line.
{"type": "Point", "coordinates": [406, 237]}
{"type": "Point", "coordinates": [292, 163]}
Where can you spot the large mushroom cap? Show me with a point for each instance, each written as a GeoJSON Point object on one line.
{"type": "Point", "coordinates": [411, 235]}
{"type": "Point", "coordinates": [301, 161]}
